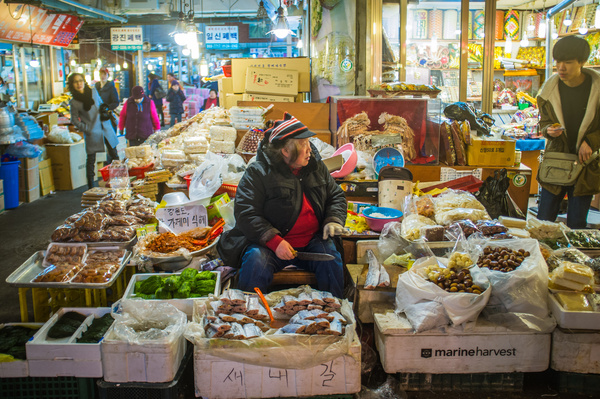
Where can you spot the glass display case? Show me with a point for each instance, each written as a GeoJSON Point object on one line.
{"type": "Point", "coordinates": [412, 125]}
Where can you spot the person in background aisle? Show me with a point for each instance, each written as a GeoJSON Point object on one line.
{"type": "Point", "coordinates": [175, 97]}
{"type": "Point", "coordinates": [211, 101]}
{"type": "Point", "coordinates": [569, 107]}
{"type": "Point", "coordinates": [85, 115]}
{"type": "Point", "coordinates": [170, 78]}
{"type": "Point", "coordinates": [138, 117]}
{"type": "Point", "coordinates": [107, 90]}
{"type": "Point", "coordinates": [286, 201]}
{"type": "Point", "coordinates": [155, 92]}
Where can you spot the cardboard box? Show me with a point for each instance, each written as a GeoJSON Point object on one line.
{"type": "Point", "coordinates": [365, 188]}
{"type": "Point", "coordinates": [46, 178]}
{"type": "Point", "coordinates": [29, 163]}
{"type": "Point", "coordinates": [575, 351]}
{"type": "Point", "coordinates": [264, 97]}
{"type": "Point", "coordinates": [480, 348]}
{"type": "Point", "coordinates": [282, 82]}
{"type": "Point", "coordinates": [226, 85]}
{"type": "Point", "coordinates": [299, 64]}
{"type": "Point", "coordinates": [29, 178]}
{"type": "Point", "coordinates": [50, 119]}
{"type": "Point", "coordinates": [218, 378]}
{"type": "Point", "coordinates": [486, 152]}
{"type": "Point", "coordinates": [231, 100]}
{"type": "Point", "coordinates": [30, 195]}
{"type": "Point", "coordinates": [68, 165]}
{"type": "Point", "coordinates": [65, 357]}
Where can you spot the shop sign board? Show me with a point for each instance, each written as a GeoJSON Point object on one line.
{"type": "Point", "coordinates": [222, 37]}
{"type": "Point", "coordinates": [179, 219]}
{"type": "Point", "coordinates": [127, 38]}
{"type": "Point", "coordinates": [26, 24]}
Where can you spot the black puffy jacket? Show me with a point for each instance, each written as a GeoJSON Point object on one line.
{"type": "Point", "coordinates": [269, 199]}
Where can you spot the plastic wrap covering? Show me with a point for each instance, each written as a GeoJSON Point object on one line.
{"type": "Point", "coordinates": [414, 294]}
{"type": "Point", "coordinates": [286, 351]}
{"type": "Point", "coordinates": [139, 321]}
{"type": "Point", "coordinates": [208, 177]}
{"type": "Point", "coordinates": [453, 205]}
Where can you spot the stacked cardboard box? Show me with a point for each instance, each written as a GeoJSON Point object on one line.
{"type": "Point", "coordinates": [68, 165]}
{"type": "Point", "coordinates": [46, 178]}
{"type": "Point", "coordinates": [265, 79]}
{"type": "Point", "coordinates": [29, 180]}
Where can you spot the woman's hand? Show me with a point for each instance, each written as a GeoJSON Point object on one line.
{"type": "Point", "coordinates": [585, 151]}
{"type": "Point", "coordinates": [555, 130]}
{"type": "Point", "coordinates": [285, 251]}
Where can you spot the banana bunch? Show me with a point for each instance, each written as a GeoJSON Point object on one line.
{"type": "Point", "coordinates": [475, 52]}
{"type": "Point", "coordinates": [63, 98]}
{"type": "Point", "coordinates": [527, 97]}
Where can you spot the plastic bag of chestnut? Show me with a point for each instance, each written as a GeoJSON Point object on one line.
{"type": "Point", "coordinates": [438, 291]}
{"type": "Point", "coordinates": [518, 275]}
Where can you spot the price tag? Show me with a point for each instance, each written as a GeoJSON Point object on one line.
{"type": "Point", "coordinates": [180, 219]}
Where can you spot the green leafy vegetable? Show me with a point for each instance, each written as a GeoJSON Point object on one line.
{"type": "Point", "coordinates": [163, 293]}
{"type": "Point", "coordinates": [150, 285]}
{"type": "Point", "coordinates": [172, 283]}
{"type": "Point", "coordinates": [188, 274]}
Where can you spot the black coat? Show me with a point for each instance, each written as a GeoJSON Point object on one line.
{"type": "Point", "coordinates": [269, 199]}
{"type": "Point", "coordinates": [175, 99]}
{"type": "Point", "coordinates": [109, 94]}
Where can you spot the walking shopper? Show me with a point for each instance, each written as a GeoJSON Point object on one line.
{"type": "Point", "coordinates": [570, 121]}
{"type": "Point", "coordinates": [138, 117]}
{"type": "Point", "coordinates": [157, 93]}
{"type": "Point", "coordinates": [85, 115]}
{"type": "Point", "coordinates": [175, 97]}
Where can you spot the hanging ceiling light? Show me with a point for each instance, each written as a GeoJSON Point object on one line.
{"type": "Point", "coordinates": [262, 11]}
{"type": "Point", "coordinates": [567, 21]}
{"type": "Point", "coordinates": [554, 31]}
{"type": "Point", "coordinates": [204, 66]}
{"type": "Point", "coordinates": [35, 63]}
{"type": "Point", "coordinates": [186, 52]}
{"type": "Point", "coordinates": [508, 46]}
{"type": "Point", "coordinates": [281, 29]}
{"type": "Point", "coordinates": [597, 17]}
{"type": "Point", "coordinates": [542, 28]}
{"type": "Point", "coordinates": [525, 41]}
{"type": "Point", "coordinates": [117, 67]}
{"type": "Point", "coordinates": [531, 25]}
{"type": "Point", "coordinates": [583, 28]}
{"type": "Point", "coordinates": [180, 32]}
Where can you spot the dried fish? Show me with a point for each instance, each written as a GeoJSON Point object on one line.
{"type": "Point", "coordinates": [252, 331]}
{"type": "Point", "coordinates": [322, 323]}
{"type": "Point", "coordinates": [373, 273]}
{"type": "Point", "coordinates": [225, 298]}
{"type": "Point", "coordinates": [290, 300]}
{"type": "Point", "coordinates": [213, 333]}
{"type": "Point", "coordinates": [312, 307]}
{"type": "Point", "coordinates": [255, 309]}
{"type": "Point", "coordinates": [336, 304]}
{"type": "Point", "coordinates": [310, 326]}
{"type": "Point", "coordinates": [280, 307]}
{"type": "Point", "coordinates": [319, 314]}
{"type": "Point", "coordinates": [237, 297]}
{"type": "Point", "coordinates": [298, 308]}
{"type": "Point", "coordinates": [335, 328]}
{"type": "Point", "coordinates": [384, 277]}
{"type": "Point", "coordinates": [293, 329]}
{"type": "Point", "coordinates": [339, 317]}
{"type": "Point", "coordinates": [237, 331]}
{"type": "Point", "coordinates": [218, 325]}
{"type": "Point", "coordinates": [327, 296]}
{"type": "Point", "coordinates": [304, 299]}
{"type": "Point", "coordinates": [306, 314]}
{"type": "Point", "coordinates": [317, 297]}
{"type": "Point", "coordinates": [263, 327]}
{"type": "Point", "coordinates": [239, 309]}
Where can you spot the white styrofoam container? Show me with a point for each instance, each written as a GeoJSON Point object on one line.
{"type": "Point", "coordinates": [18, 368]}
{"type": "Point", "coordinates": [185, 305]}
{"type": "Point", "coordinates": [145, 362]}
{"type": "Point", "coordinates": [575, 351]}
{"type": "Point", "coordinates": [573, 320]}
{"type": "Point", "coordinates": [65, 357]}
{"type": "Point", "coordinates": [483, 348]}
{"type": "Point", "coordinates": [218, 378]}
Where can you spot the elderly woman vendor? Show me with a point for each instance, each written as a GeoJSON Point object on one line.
{"type": "Point", "coordinates": [286, 201]}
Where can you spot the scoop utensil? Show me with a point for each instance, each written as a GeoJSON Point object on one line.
{"type": "Point", "coordinates": [274, 323]}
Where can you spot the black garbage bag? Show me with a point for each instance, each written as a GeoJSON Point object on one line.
{"type": "Point", "coordinates": [460, 111]}
{"type": "Point", "coordinates": [493, 194]}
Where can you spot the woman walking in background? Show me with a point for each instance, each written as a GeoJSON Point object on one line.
{"type": "Point", "coordinates": [156, 94]}
{"type": "Point", "coordinates": [85, 115]}
{"type": "Point", "coordinates": [175, 97]}
{"type": "Point", "coordinates": [138, 117]}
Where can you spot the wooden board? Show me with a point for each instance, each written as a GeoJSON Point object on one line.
{"type": "Point", "coordinates": [314, 115]}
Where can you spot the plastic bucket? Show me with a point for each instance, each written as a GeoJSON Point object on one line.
{"type": "Point", "coordinates": [9, 173]}
{"type": "Point", "coordinates": [226, 70]}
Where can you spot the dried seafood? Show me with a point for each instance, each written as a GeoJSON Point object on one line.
{"type": "Point", "coordinates": [393, 124]}
{"type": "Point", "coordinates": [351, 127]}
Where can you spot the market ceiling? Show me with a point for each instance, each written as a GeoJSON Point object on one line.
{"type": "Point", "coordinates": [152, 12]}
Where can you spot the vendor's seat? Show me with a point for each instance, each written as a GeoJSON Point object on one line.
{"type": "Point", "coordinates": [293, 276]}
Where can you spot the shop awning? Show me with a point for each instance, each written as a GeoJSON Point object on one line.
{"type": "Point", "coordinates": [74, 7]}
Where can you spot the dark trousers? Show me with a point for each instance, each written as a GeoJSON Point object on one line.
{"type": "Point", "coordinates": [259, 263]}
{"type": "Point", "coordinates": [136, 142]}
{"type": "Point", "coordinates": [160, 113]}
{"type": "Point", "coordinates": [90, 164]}
{"type": "Point", "coordinates": [175, 118]}
{"type": "Point", "coordinates": [577, 208]}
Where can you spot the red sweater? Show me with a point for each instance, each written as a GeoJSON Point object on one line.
{"type": "Point", "coordinates": [303, 230]}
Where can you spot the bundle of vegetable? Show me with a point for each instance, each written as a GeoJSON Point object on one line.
{"type": "Point", "coordinates": [189, 284]}
{"type": "Point", "coordinates": [13, 340]}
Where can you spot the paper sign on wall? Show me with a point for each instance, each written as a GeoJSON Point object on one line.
{"type": "Point", "coordinates": [180, 219]}
{"type": "Point", "coordinates": [128, 38]}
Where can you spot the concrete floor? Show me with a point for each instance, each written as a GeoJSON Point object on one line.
{"type": "Point", "coordinates": [25, 230]}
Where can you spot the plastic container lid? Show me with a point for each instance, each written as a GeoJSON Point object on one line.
{"type": "Point", "coordinates": [388, 156]}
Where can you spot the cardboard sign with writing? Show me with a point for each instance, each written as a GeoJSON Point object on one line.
{"type": "Point", "coordinates": [272, 81]}
{"type": "Point", "coordinates": [180, 219]}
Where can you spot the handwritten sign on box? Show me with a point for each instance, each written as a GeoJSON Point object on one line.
{"type": "Point", "coordinates": [282, 82]}
{"type": "Point", "coordinates": [180, 219]}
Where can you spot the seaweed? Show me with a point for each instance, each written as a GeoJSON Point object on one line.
{"type": "Point", "coordinates": [13, 340]}
{"type": "Point", "coordinates": [66, 325]}
{"type": "Point", "coordinates": [96, 330]}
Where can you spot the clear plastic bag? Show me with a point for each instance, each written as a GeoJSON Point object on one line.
{"type": "Point", "coordinates": [412, 224]}
{"type": "Point", "coordinates": [453, 205]}
{"type": "Point", "coordinates": [208, 177]}
{"type": "Point", "coordinates": [60, 135]}
{"type": "Point", "coordinates": [391, 240]}
{"type": "Point", "coordinates": [23, 149]}
{"type": "Point", "coordinates": [236, 167]}
{"type": "Point", "coordinates": [119, 175]}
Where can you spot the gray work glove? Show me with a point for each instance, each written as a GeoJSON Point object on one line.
{"type": "Point", "coordinates": [332, 229]}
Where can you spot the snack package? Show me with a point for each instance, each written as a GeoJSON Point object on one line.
{"type": "Point", "coordinates": [572, 276]}
{"type": "Point", "coordinates": [64, 253]}
{"type": "Point", "coordinates": [64, 233]}
{"type": "Point", "coordinates": [453, 205]}
{"type": "Point", "coordinates": [412, 224]}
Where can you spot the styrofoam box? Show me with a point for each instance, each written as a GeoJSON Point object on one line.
{"type": "Point", "coordinates": [576, 352]}
{"type": "Point", "coordinates": [185, 305]}
{"type": "Point", "coordinates": [64, 357]}
{"type": "Point", "coordinates": [18, 368]}
{"type": "Point", "coordinates": [573, 320]}
{"type": "Point", "coordinates": [480, 348]}
{"type": "Point", "coordinates": [145, 362]}
{"type": "Point", "coordinates": [219, 378]}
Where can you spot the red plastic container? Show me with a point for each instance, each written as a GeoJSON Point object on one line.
{"type": "Point", "coordinates": [226, 70]}
{"type": "Point", "coordinates": [467, 183]}
{"type": "Point", "coordinates": [139, 173]}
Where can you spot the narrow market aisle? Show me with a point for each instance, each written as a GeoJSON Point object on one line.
{"type": "Point", "coordinates": [25, 230]}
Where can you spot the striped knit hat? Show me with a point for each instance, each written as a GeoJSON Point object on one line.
{"type": "Point", "coordinates": [288, 128]}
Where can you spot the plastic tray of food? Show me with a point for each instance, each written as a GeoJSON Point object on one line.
{"type": "Point", "coordinates": [580, 320]}
{"type": "Point", "coordinates": [120, 244]}
{"type": "Point", "coordinates": [178, 262]}
{"type": "Point", "coordinates": [583, 238]}
{"type": "Point", "coordinates": [25, 274]}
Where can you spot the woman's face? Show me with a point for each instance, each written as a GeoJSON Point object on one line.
{"type": "Point", "coordinates": [103, 76]}
{"type": "Point", "coordinates": [79, 83]}
{"type": "Point", "coordinates": [212, 95]}
{"type": "Point", "coordinates": [303, 147]}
